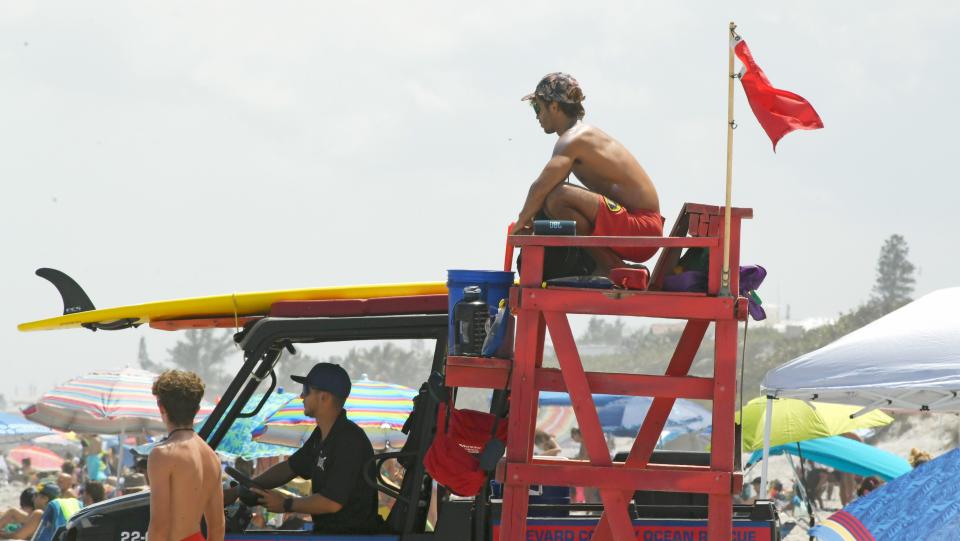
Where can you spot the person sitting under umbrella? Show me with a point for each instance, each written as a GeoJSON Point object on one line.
{"type": "Point", "coordinates": [21, 523]}
{"type": "Point", "coordinates": [56, 510]}
{"type": "Point", "coordinates": [27, 473]}
{"type": "Point", "coordinates": [546, 444]}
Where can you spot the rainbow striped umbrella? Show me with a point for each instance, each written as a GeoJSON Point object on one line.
{"type": "Point", "coordinates": [103, 402]}
{"type": "Point", "coordinates": [379, 408]}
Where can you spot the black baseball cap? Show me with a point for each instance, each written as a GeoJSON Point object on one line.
{"type": "Point", "coordinates": [327, 377]}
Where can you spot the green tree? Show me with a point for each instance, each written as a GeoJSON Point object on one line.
{"type": "Point", "coordinates": [600, 331]}
{"type": "Point", "coordinates": [387, 362]}
{"type": "Point", "coordinates": [895, 281]}
{"type": "Point", "coordinates": [643, 351]}
{"type": "Point", "coordinates": [202, 351]}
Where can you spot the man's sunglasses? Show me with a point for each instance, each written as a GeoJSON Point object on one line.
{"type": "Point", "coordinates": [536, 107]}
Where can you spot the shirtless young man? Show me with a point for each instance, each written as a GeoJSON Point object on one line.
{"type": "Point", "coordinates": [184, 472]}
{"type": "Point", "coordinates": [620, 199]}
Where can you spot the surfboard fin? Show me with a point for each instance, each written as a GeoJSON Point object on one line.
{"type": "Point", "coordinates": [75, 300]}
{"type": "Point", "coordinates": [74, 297]}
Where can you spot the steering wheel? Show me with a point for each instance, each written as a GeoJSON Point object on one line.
{"type": "Point", "coordinates": [239, 518]}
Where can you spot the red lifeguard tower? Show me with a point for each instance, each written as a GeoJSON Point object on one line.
{"type": "Point", "coordinates": [540, 308]}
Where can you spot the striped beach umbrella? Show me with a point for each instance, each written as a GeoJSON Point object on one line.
{"type": "Point", "coordinates": [103, 402]}
{"type": "Point", "coordinates": [379, 408]}
{"type": "Point", "coordinates": [60, 442]}
{"type": "Point", "coordinates": [40, 458]}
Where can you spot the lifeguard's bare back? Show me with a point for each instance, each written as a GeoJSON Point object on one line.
{"type": "Point", "coordinates": [184, 472]}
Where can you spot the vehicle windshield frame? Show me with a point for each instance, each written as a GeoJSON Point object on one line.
{"type": "Point", "coordinates": [264, 340]}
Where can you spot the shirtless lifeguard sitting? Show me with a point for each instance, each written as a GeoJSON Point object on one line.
{"type": "Point", "coordinates": [184, 472]}
{"type": "Point", "coordinates": [620, 199]}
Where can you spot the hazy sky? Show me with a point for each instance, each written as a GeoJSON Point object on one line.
{"type": "Point", "coordinates": [158, 150]}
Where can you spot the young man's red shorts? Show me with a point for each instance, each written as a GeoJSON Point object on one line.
{"type": "Point", "coordinates": [614, 221]}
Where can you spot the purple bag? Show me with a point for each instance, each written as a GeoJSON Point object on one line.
{"type": "Point", "coordinates": [751, 276]}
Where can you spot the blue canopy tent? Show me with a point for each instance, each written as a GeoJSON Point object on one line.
{"type": "Point", "coordinates": [919, 506]}
{"type": "Point", "coordinates": [843, 454]}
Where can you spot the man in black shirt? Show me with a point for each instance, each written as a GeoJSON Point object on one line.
{"type": "Point", "coordinates": [333, 459]}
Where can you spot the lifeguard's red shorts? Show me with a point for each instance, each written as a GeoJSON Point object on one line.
{"type": "Point", "coordinates": [195, 537]}
{"type": "Point", "coordinates": [614, 221]}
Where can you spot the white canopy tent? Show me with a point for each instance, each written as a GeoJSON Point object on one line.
{"type": "Point", "coordinates": [908, 360]}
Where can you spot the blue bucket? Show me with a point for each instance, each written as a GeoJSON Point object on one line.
{"type": "Point", "coordinates": [494, 285]}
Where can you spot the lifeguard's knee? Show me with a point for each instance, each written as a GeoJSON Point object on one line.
{"type": "Point", "coordinates": [557, 202]}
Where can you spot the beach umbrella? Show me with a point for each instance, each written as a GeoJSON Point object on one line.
{"type": "Point", "coordinates": [103, 402]}
{"type": "Point", "coordinates": [844, 454]}
{"type": "Point", "coordinates": [379, 408]}
{"type": "Point", "coordinates": [623, 417]}
{"type": "Point", "coordinates": [557, 398]}
{"type": "Point", "coordinates": [40, 458]}
{"type": "Point", "coordinates": [919, 506]}
{"type": "Point", "coordinates": [557, 421]}
{"type": "Point", "coordinates": [796, 420]}
{"type": "Point", "coordinates": [60, 441]}
{"type": "Point", "coordinates": [768, 422]}
{"type": "Point", "coordinates": [238, 441]}
{"type": "Point", "coordinates": [15, 429]}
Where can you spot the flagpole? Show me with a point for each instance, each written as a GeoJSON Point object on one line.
{"type": "Point", "coordinates": [725, 273]}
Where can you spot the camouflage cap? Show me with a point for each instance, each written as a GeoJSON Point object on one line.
{"type": "Point", "coordinates": [558, 86]}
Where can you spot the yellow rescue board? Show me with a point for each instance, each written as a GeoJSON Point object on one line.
{"type": "Point", "coordinates": [236, 304]}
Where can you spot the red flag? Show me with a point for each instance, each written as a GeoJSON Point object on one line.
{"type": "Point", "coordinates": [779, 111]}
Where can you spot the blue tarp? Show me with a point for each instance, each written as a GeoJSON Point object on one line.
{"type": "Point", "coordinates": [923, 505]}
{"type": "Point", "coordinates": [844, 454]}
